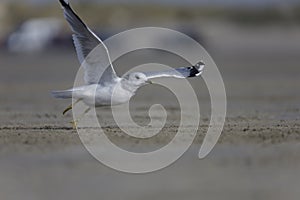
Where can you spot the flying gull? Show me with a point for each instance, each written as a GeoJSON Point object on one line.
{"type": "Point", "coordinates": [103, 87]}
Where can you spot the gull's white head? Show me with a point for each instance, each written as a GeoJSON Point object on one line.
{"type": "Point", "coordinates": [137, 79]}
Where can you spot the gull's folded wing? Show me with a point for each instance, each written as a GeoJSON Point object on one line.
{"type": "Point", "coordinates": [182, 72]}
{"type": "Point", "coordinates": [97, 65]}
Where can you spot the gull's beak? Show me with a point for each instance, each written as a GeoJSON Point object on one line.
{"type": "Point", "coordinates": [149, 82]}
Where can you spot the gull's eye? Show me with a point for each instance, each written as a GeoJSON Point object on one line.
{"type": "Point", "coordinates": [137, 77]}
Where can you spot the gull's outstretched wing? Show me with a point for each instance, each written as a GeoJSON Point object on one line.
{"type": "Point", "coordinates": [85, 41]}
{"type": "Point", "coordinates": [182, 72]}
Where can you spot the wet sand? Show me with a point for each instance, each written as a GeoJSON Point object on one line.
{"type": "Point", "coordinates": [257, 155]}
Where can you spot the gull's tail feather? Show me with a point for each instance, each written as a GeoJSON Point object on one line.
{"type": "Point", "coordinates": [62, 94]}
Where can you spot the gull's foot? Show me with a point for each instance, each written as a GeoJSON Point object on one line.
{"type": "Point", "coordinates": [74, 124]}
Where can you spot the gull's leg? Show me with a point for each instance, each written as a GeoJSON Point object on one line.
{"type": "Point", "coordinates": [70, 106]}
{"type": "Point", "coordinates": [82, 115]}
{"type": "Point", "coordinates": [86, 111]}
{"type": "Point", "coordinates": [74, 122]}
{"type": "Point", "coordinates": [67, 109]}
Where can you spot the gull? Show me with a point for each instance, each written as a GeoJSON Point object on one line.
{"type": "Point", "coordinates": [103, 87]}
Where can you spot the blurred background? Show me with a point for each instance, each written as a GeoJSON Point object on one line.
{"type": "Point", "coordinates": [215, 23]}
{"type": "Point", "coordinates": [256, 46]}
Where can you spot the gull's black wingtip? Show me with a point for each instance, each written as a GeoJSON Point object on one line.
{"type": "Point", "coordinates": [64, 3]}
{"type": "Point", "coordinates": [196, 70]}
{"type": "Point", "coordinates": [200, 65]}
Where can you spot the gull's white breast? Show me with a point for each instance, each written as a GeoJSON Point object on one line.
{"type": "Point", "coordinates": [113, 94]}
